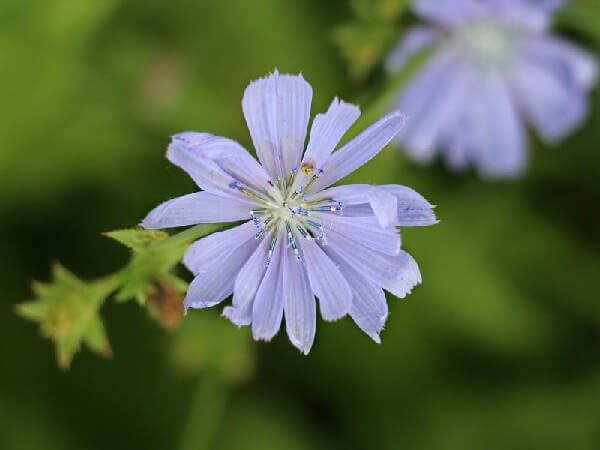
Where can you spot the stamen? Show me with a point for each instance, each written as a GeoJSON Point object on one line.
{"type": "Point", "coordinates": [330, 208]}
{"type": "Point", "coordinates": [236, 185]}
{"type": "Point", "coordinates": [337, 206]}
{"type": "Point", "coordinates": [304, 232]}
{"type": "Point", "coordinates": [298, 192]}
{"type": "Point", "coordinates": [321, 235]}
{"type": "Point", "coordinates": [271, 249]}
{"type": "Point", "coordinates": [303, 212]}
{"type": "Point", "coordinates": [312, 181]}
{"type": "Point", "coordinates": [290, 236]}
{"type": "Point", "coordinates": [292, 178]}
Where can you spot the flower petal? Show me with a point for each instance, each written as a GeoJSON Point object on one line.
{"type": "Point", "coordinates": [216, 283]}
{"type": "Point", "coordinates": [413, 209]}
{"type": "Point", "coordinates": [326, 281]}
{"type": "Point", "coordinates": [489, 132]}
{"type": "Point", "coordinates": [246, 285]}
{"type": "Point", "coordinates": [532, 15]}
{"type": "Point", "coordinates": [199, 207]}
{"type": "Point", "coordinates": [277, 111]}
{"type": "Point", "coordinates": [202, 255]}
{"type": "Point", "coordinates": [414, 41]}
{"type": "Point", "coordinates": [396, 274]}
{"type": "Point", "coordinates": [432, 102]}
{"type": "Point", "coordinates": [215, 162]}
{"type": "Point", "coordinates": [578, 65]}
{"type": "Point", "coordinates": [363, 230]}
{"type": "Point", "coordinates": [449, 13]}
{"type": "Point", "coordinates": [327, 130]}
{"type": "Point", "coordinates": [360, 149]}
{"type": "Point", "coordinates": [383, 204]}
{"type": "Point", "coordinates": [300, 305]}
{"type": "Point", "coordinates": [555, 105]}
{"type": "Point", "coordinates": [267, 310]}
{"type": "Point", "coordinates": [369, 308]}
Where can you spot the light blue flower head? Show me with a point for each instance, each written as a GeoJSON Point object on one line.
{"type": "Point", "coordinates": [494, 67]}
{"type": "Point", "coordinates": [300, 238]}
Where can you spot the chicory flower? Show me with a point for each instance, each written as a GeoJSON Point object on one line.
{"type": "Point", "coordinates": [300, 238]}
{"type": "Point", "coordinates": [494, 67]}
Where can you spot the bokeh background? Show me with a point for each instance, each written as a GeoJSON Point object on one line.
{"type": "Point", "coordinates": [499, 348]}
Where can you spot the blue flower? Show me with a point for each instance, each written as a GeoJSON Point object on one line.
{"type": "Point", "coordinates": [300, 238]}
{"type": "Point", "coordinates": [494, 67]}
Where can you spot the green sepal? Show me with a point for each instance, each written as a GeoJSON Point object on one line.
{"type": "Point", "coordinates": [137, 238]}
{"type": "Point", "coordinates": [155, 256]}
{"type": "Point", "coordinates": [67, 311]}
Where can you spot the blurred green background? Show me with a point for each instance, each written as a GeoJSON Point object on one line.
{"type": "Point", "coordinates": [498, 349]}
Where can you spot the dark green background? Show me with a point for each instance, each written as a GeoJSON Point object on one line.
{"type": "Point", "coordinates": [498, 349]}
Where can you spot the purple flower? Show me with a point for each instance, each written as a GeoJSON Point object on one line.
{"type": "Point", "coordinates": [301, 239]}
{"type": "Point", "coordinates": [494, 66]}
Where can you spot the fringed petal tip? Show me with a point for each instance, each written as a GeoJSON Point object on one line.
{"type": "Point", "coordinates": [232, 314]}
{"type": "Point", "coordinates": [303, 347]}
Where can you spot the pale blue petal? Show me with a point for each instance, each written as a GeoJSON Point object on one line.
{"type": "Point", "coordinates": [363, 230]}
{"type": "Point", "coordinates": [450, 13]}
{"type": "Point", "coordinates": [199, 207]}
{"type": "Point", "coordinates": [383, 205]}
{"type": "Point", "coordinates": [326, 281]}
{"type": "Point", "coordinates": [491, 132]}
{"type": "Point", "coordinates": [299, 304]}
{"type": "Point", "coordinates": [369, 308]}
{"type": "Point", "coordinates": [396, 274]}
{"type": "Point", "coordinates": [327, 130]}
{"type": "Point", "coordinates": [246, 285]}
{"type": "Point", "coordinates": [576, 64]}
{"type": "Point", "coordinates": [432, 102]}
{"type": "Point", "coordinates": [277, 111]}
{"type": "Point", "coordinates": [360, 150]}
{"type": "Point", "coordinates": [267, 311]}
{"type": "Point", "coordinates": [202, 255]}
{"type": "Point", "coordinates": [555, 105]}
{"type": "Point", "coordinates": [413, 209]}
{"type": "Point", "coordinates": [214, 285]}
{"type": "Point", "coordinates": [228, 154]}
{"type": "Point", "coordinates": [532, 15]}
{"type": "Point", "coordinates": [215, 162]}
{"type": "Point", "coordinates": [414, 41]}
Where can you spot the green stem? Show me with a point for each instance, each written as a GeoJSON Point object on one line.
{"type": "Point", "coordinates": [206, 412]}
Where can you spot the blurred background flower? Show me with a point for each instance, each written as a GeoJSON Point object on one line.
{"type": "Point", "coordinates": [494, 67]}
{"type": "Point", "coordinates": [498, 349]}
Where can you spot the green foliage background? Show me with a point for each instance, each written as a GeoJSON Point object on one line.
{"type": "Point", "coordinates": [498, 349]}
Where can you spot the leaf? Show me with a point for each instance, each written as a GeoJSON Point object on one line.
{"type": "Point", "coordinates": [137, 238]}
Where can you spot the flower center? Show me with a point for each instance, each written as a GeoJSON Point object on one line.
{"type": "Point", "coordinates": [284, 210]}
{"type": "Point", "coordinates": [487, 43]}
